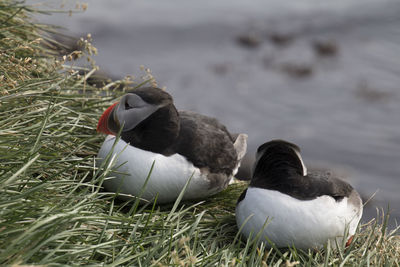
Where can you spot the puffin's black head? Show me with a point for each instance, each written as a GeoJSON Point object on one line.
{"type": "Point", "coordinates": [278, 157]}
{"type": "Point", "coordinates": [136, 106]}
{"type": "Point", "coordinates": [276, 146]}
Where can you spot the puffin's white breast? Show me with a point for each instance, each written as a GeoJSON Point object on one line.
{"type": "Point", "coordinates": [167, 179]}
{"type": "Point", "coordinates": [303, 223]}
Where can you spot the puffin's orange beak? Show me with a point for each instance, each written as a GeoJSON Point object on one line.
{"type": "Point", "coordinates": [102, 126]}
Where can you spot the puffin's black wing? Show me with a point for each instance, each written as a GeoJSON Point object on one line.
{"type": "Point", "coordinates": [213, 122]}
{"type": "Point", "coordinates": [314, 185]}
{"type": "Point", "coordinates": [206, 143]}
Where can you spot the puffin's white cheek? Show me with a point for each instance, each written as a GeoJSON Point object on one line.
{"type": "Point", "coordinates": [132, 117]}
{"type": "Point", "coordinates": [302, 163]}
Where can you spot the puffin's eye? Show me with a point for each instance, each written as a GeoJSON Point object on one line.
{"type": "Point", "coordinates": [127, 106]}
{"type": "Point", "coordinates": [130, 102]}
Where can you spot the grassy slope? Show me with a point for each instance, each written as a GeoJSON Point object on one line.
{"type": "Point", "coordinates": [52, 208]}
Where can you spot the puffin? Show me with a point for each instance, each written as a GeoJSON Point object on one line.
{"type": "Point", "coordinates": [181, 145]}
{"type": "Point", "coordinates": [287, 206]}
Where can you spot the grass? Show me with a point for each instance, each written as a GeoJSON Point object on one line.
{"type": "Point", "coordinates": [52, 208]}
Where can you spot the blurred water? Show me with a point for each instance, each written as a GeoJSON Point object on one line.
{"type": "Point", "coordinates": [344, 115]}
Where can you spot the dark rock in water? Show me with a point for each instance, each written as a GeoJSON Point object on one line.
{"type": "Point", "coordinates": [281, 39]}
{"type": "Point", "coordinates": [100, 79]}
{"type": "Point", "coordinates": [63, 44]}
{"type": "Point", "coordinates": [249, 40]}
{"type": "Point", "coordinates": [325, 47]}
{"type": "Point", "coordinates": [370, 94]}
{"type": "Point", "coordinates": [297, 70]}
{"type": "Point", "coordinates": [221, 69]}
{"type": "Point", "coordinates": [69, 47]}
